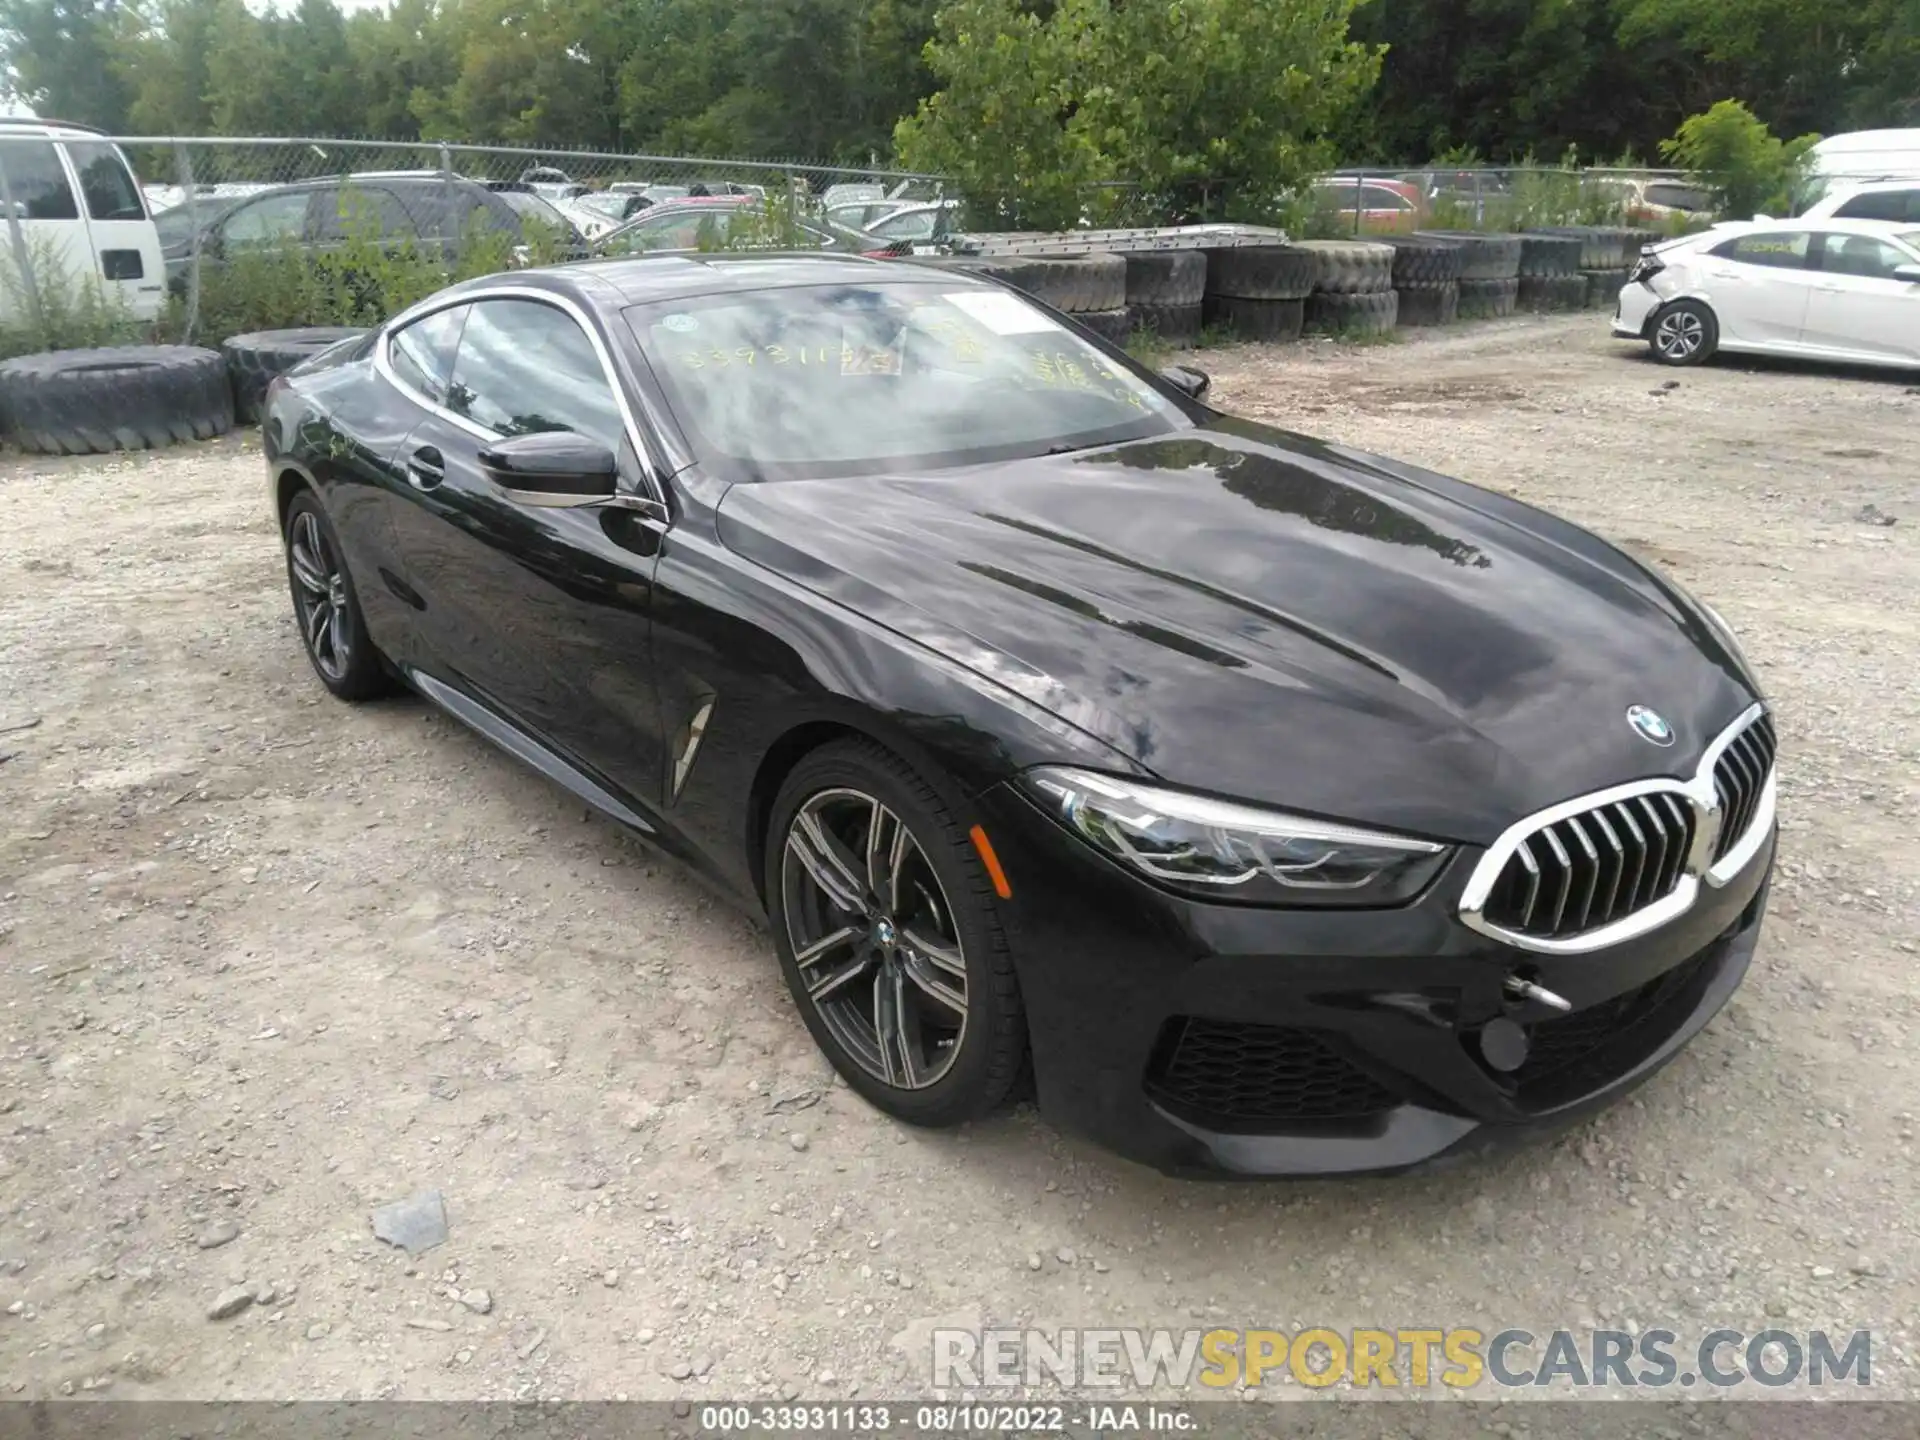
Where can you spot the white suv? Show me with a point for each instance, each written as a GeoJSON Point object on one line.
{"type": "Point", "coordinates": [1894, 200]}
{"type": "Point", "coordinates": [81, 220]}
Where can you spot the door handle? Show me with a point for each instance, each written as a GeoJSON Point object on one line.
{"type": "Point", "coordinates": [426, 468]}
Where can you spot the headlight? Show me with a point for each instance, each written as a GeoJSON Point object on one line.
{"type": "Point", "coordinates": [1223, 851]}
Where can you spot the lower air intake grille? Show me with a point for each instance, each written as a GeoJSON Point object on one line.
{"type": "Point", "coordinates": [1594, 868]}
{"type": "Point", "coordinates": [1229, 1075]}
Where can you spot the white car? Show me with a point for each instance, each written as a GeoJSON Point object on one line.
{"type": "Point", "coordinates": [83, 219]}
{"type": "Point", "coordinates": [1824, 289]}
{"type": "Point", "coordinates": [1897, 201]}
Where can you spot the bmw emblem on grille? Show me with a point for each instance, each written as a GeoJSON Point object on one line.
{"type": "Point", "coordinates": [1650, 725]}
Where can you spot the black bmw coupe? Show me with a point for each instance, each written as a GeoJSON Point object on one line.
{"type": "Point", "coordinates": [1268, 807]}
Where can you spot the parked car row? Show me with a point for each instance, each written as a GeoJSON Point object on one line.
{"type": "Point", "coordinates": [422, 207]}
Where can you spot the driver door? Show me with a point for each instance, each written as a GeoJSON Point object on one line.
{"type": "Point", "coordinates": [540, 613]}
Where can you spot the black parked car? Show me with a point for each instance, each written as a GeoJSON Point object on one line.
{"type": "Point", "coordinates": [421, 206]}
{"type": "Point", "coordinates": [1293, 810]}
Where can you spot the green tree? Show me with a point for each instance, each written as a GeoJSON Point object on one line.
{"type": "Point", "coordinates": [58, 59]}
{"type": "Point", "coordinates": [1731, 153]}
{"type": "Point", "coordinates": [1208, 107]}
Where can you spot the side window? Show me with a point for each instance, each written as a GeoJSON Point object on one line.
{"type": "Point", "coordinates": [422, 354]}
{"type": "Point", "coordinates": [106, 182]}
{"type": "Point", "coordinates": [38, 182]}
{"type": "Point", "coordinates": [270, 218]}
{"type": "Point", "coordinates": [1897, 205]}
{"type": "Point", "coordinates": [1780, 249]}
{"type": "Point", "coordinates": [523, 367]}
{"type": "Point", "coordinates": [683, 231]}
{"type": "Point", "coordinates": [360, 211]}
{"type": "Point", "coordinates": [1861, 255]}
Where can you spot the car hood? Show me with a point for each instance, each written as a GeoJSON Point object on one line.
{"type": "Point", "coordinates": [1264, 616]}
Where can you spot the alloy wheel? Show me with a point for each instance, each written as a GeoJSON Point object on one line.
{"type": "Point", "coordinates": [320, 595]}
{"type": "Point", "coordinates": [874, 938]}
{"type": "Point", "coordinates": [1679, 334]}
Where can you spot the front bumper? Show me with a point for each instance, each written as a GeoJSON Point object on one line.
{"type": "Point", "coordinates": [1228, 1040]}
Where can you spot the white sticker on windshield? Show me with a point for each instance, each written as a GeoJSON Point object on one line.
{"type": "Point", "coordinates": [1001, 313]}
{"type": "Point", "coordinates": [680, 323]}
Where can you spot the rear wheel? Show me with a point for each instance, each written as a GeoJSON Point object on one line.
{"type": "Point", "coordinates": [888, 938]}
{"type": "Point", "coordinates": [332, 629]}
{"type": "Point", "coordinates": [1684, 333]}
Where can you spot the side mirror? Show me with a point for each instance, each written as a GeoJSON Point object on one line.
{"type": "Point", "coordinates": [1189, 381]}
{"type": "Point", "coordinates": [1908, 273]}
{"type": "Point", "coordinates": [551, 468]}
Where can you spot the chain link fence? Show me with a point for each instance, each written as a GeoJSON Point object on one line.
{"type": "Point", "coordinates": [272, 233]}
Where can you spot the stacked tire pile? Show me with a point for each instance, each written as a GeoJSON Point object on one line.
{"type": "Point", "coordinates": [1091, 288]}
{"type": "Point", "coordinates": [1353, 290]}
{"type": "Point", "coordinates": [1166, 294]}
{"type": "Point", "coordinates": [1489, 271]}
{"type": "Point", "coordinates": [1550, 276]}
{"type": "Point", "coordinates": [1259, 292]}
{"type": "Point", "coordinates": [1607, 256]}
{"type": "Point", "coordinates": [1426, 277]}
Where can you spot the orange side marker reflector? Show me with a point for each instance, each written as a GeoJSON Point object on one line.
{"type": "Point", "coordinates": [992, 862]}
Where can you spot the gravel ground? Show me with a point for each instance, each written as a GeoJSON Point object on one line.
{"type": "Point", "coordinates": [269, 961]}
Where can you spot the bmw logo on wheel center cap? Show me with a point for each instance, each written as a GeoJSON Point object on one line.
{"type": "Point", "coordinates": [1650, 724]}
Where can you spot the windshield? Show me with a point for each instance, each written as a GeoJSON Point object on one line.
{"type": "Point", "coordinates": [836, 380]}
{"type": "Point", "coordinates": [913, 225]}
{"type": "Point", "coordinates": [529, 206]}
{"type": "Point", "coordinates": [1910, 239]}
{"type": "Point", "coordinates": [175, 226]}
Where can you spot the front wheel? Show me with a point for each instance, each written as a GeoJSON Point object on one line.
{"type": "Point", "coordinates": [884, 919]}
{"type": "Point", "coordinates": [1684, 333]}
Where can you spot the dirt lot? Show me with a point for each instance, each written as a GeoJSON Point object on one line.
{"type": "Point", "coordinates": [268, 961]}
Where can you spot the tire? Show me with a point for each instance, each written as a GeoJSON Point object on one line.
{"type": "Point", "coordinates": [1262, 272]}
{"type": "Point", "coordinates": [1546, 293]}
{"type": "Point", "coordinates": [1072, 284]}
{"type": "Point", "coordinates": [1542, 255]}
{"type": "Point", "coordinates": [1667, 334]}
{"type": "Point", "coordinates": [1423, 262]}
{"type": "Point", "coordinates": [1429, 304]}
{"type": "Point", "coordinates": [1604, 286]}
{"type": "Point", "coordinates": [254, 360]}
{"type": "Point", "coordinates": [1175, 324]}
{"type": "Point", "coordinates": [1080, 283]}
{"type": "Point", "coordinates": [1369, 313]}
{"type": "Point", "coordinates": [326, 608]}
{"type": "Point", "coordinates": [1487, 299]}
{"type": "Point", "coordinates": [135, 397]}
{"type": "Point", "coordinates": [946, 905]}
{"type": "Point", "coordinates": [1269, 321]}
{"type": "Point", "coordinates": [1482, 257]}
{"type": "Point", "coordinates": [1352, 267]}
{"type": "Point", "coordinates": [1110, 325]}
{"type": "Point", "coordinates": [1166, 277]}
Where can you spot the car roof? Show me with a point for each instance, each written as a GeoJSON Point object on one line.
{"type": "Point", "coordinates": [642, 279]}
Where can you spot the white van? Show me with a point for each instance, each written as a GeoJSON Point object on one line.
{"type": "Point", "coordinates": [79, 217]}
{"type": "Point", "coordinates": [1846, 162]}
